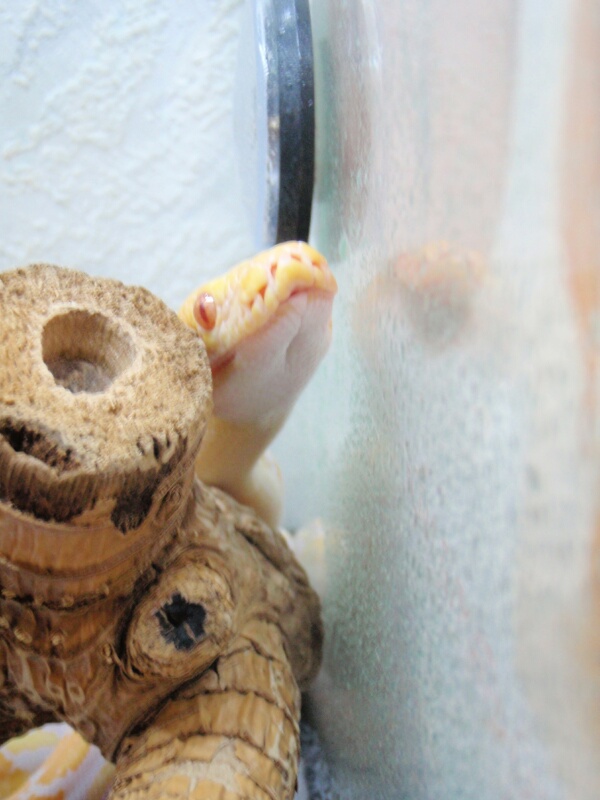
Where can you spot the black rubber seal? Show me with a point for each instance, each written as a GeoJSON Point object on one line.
{"type": "Point", "coordinates": [296, 118]}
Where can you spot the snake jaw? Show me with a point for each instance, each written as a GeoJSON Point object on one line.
{"type": "Point", "coordinates": [258, 382]}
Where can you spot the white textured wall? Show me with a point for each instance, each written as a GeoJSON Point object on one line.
{"type": "Point", "coordinates": [116, 142]}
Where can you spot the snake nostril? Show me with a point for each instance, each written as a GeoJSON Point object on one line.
{"type": "Point", "coordinates": [181, 622]}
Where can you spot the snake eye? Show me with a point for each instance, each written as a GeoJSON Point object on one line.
{"type": "Point", "coordinates": [205, 311]}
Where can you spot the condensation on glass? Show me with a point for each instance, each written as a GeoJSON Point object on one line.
{"type": "Point", "coordinates": [450, 442]}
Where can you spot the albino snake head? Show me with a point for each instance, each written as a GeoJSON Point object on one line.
{"type": "Point", "coordinates": [266, 325]}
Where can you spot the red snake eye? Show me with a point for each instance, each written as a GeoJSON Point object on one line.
{"type": "Point", "coordinates": [205, 311]}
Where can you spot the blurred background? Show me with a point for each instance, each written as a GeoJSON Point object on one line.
{"type": "Point", "coordinates": [449, 444]}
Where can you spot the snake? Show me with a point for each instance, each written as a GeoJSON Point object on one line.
{"type": "Point", "coordinates": [266, 325]}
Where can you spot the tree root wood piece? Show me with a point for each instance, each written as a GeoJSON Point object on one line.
{"type": "Point", "coordinates": [166, 623]}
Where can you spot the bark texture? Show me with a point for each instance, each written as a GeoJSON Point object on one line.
{"type": "Point", "coordinates": [162, 620]}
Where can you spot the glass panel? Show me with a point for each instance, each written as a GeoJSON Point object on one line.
{"type": "Point", "coordinates": [450, 440]}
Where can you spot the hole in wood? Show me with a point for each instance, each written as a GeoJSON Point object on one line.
{"type": "Point", "coordinates": [181, 622]}
{"type": "Point", "coordinates": [37, 444]}
{"type": "Point", "coordinates": [85, 351]}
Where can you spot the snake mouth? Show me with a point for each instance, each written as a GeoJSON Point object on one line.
{"type": "Point", "coordinates": [217, 365]}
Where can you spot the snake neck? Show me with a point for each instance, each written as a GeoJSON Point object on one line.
{"type": "Point", "coordinates": [232, 457]}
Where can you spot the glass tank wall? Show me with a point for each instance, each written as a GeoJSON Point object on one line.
{"type": "Point", "coordinates": [450, 441]}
